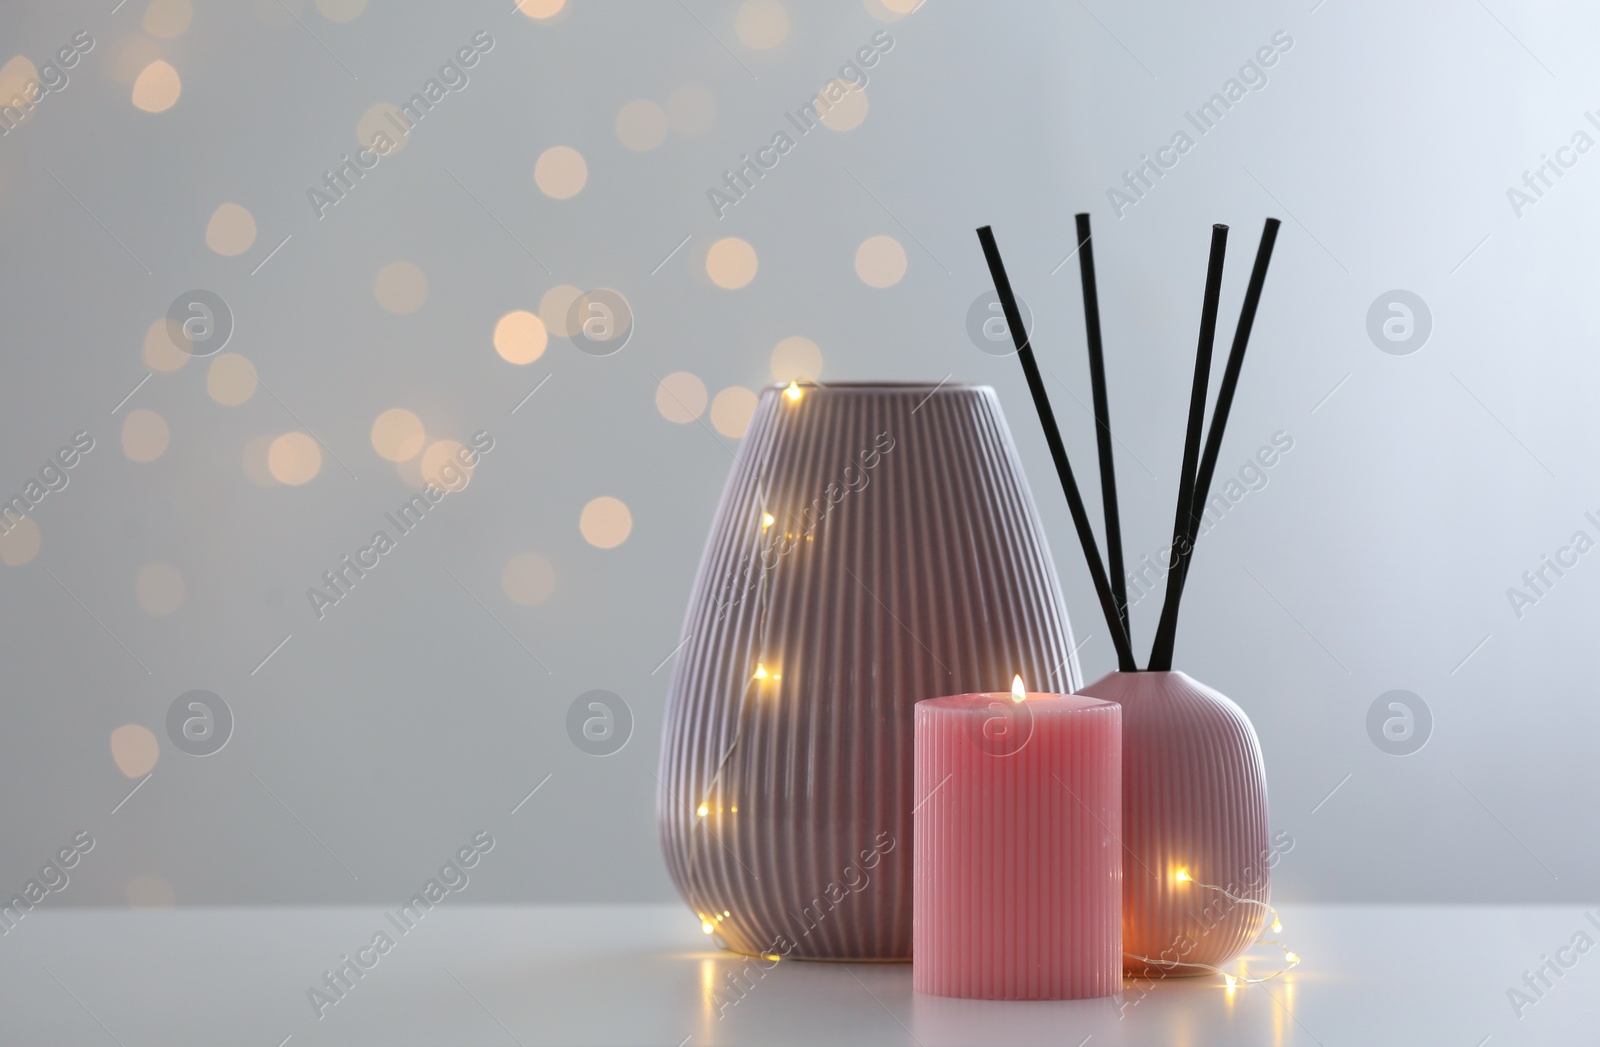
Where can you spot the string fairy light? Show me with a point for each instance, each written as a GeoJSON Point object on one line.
{"type": "Point", "coordinates": [1290, 957]}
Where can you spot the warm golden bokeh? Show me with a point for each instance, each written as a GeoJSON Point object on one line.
{"type": "Point", "coordinates": [796, 358]}
{"type": "Point", "coordinates": [401, 288]}
{"type": "Point", "coordinates": [847, 105]}
{"type": "Point", "coordinates": [341, 10]}
{"type": "Point", "coordinates": [15, 76]}
{"type": "Point", "coordinates": [231, 231]}
{"type": "Point", "coordinates": [441, 465]}
{"type": "Point", "coordinates": [157, 88]}
{"type": "Point", "coordinates": [560, 172]}
{"type": "Point", "coordinates": [160, 589]}
{"type": "Point", "coordinates": [880, 261]}
{"type": "Point", "coordinates": [294, 458]}
{"type": "Point", "coordinates": [555, 305]}
{"type": "Point", "coordinates": [134, 750]}
{"type": "Point", "coordinates": [731, 411]}
{"type": "Point", "coordinates": [254, 460]}
{"type": "Point", "coordinates": [161, 341]}
{"type": "Point", "coordinates": [520, 337]}
{"type": "Point", "coordinates": [761, 24]}
{"type": "Point", "coordinates": [528, 579]}
{"type": "Point", "coordinates": [383, 119]}
{"type": "Point", "coordinates": [398, 435]}
{"type": "Point", "coordinates": [890, 10]}
{"type": "Point", "coordinates": [20, 544]}
{"type": "Point", "coordinates": [691, 110]}
{"type": "Point", "coordinates": [642, 125]}
{"type": "Point", "coordinates": [231, 379]}
{"type": "Point", "coordinates": [541, 8]}
{"type": "Point", "coordinates": [731, 263]}
{"type": "Point", "coordinates": [681, 397]}
{"type": "Point", "coordinates": [605, 522]}
{"type": "Point", "coordinates": [168, 18]}
{"type": "Point", "coordinates": [144, 435]}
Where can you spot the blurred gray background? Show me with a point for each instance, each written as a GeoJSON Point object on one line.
{"type": "Point", "coordinates": [1426, 474]}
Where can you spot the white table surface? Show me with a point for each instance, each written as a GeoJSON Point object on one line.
{"type": "Point", "coordinates": [467, 976]}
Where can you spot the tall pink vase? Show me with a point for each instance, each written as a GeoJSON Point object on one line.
{"type": "Point", "coordinates": [876, 544]}
{"type": "Point", "coordinates": [1194, 819]}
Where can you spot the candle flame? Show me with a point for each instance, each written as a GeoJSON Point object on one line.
{"type": "Point", "coordinates": [1018, 692]}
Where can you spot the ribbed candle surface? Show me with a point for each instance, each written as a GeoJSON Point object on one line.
{"type": "Point", "coordinates": [1017, 869]}
{"type": "Point", "coordinates": [1194, 823]}
{"type": "Point", "coordinates": [875, 545]}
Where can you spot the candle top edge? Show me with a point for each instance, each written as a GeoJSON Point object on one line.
{"type": "Point", "coordinates": [1036, 699]}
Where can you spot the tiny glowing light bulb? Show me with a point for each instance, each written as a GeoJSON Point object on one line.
{"type": "Point", "coordinates": [1231, 980]}
{"type": "Point", "coordinates": [767, 520]}
{"type": "Point", "coordinates": [726, 913]}
{"type": "Point", "coordinates": [1183, 876]}
{"type": "Point", "coordinates": [1293, 958]}
{"type": "Point", "coordinates": [1018, 692]}
{"type": "Point", "coordinates": [702, 811]}
{"type": "Point", "coordinates": [793, 392]}
{"type": "Point", "coordinates": [706, 926]}
{"type": "Point", "coordinates": [761, 671]}
{"type": "Point", "coordinates": [1277, 925]}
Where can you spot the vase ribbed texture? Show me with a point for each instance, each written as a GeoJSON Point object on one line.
{"type": "Point", "coordinates": [904, 560]}
{"type": "Point", "coordinates": [1018, 882]}
{"type": "Point", "coordinates": [1194, 798]}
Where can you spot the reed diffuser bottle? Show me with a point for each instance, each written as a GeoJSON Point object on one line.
{"type": "Point", "coordinates": [1196, 850]}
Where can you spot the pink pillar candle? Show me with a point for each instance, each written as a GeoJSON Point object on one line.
{"type": "Point", "coordinates": [1017, 864]}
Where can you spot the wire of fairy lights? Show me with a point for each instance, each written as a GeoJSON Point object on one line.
{"type": "Point", "coordinates": [1291, 958]}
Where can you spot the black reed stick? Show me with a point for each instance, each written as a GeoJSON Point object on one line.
{"type": "Point", "coordinates": [1230, 383]}
{"type": "Point", "coordinates": [1058, 450]}
{"type": "Point", "coordinates": [1182, 527]}
{"type": "Point", "coordinates": [1102, 425]}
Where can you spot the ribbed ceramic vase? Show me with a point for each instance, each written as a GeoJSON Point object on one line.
{"type": "Point", "coordinates": [876, 544]}
{"type": "Point", "coordinates": [1194, 824]}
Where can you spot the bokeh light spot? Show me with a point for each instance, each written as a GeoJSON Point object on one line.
{"type": "Point", "coordinates": [528, 579]}
{"type": "Point", "coordinates": [880, 261]}
{"type": "Point", "coordinates": [560, 172]}
{"type": "Point", "coordinates": [398, 435]}
{"type": "Point", "coordinates": [401, 288]}
{"type": "Point", "coordinates": [795, 358]}
{"type": "Point", "coordinates": [161, 342]}
{"type": "Point", "coordinates": [294, 458]}
{"type": "Point", "coordinates": [19, 543]}
{"type": "Point", "coordinates": [555, 305]}
{"type": "Point", "coordinates": [134, 749]}
{"type": "Point", "coordinates": [231, 379]}
{"type": "Point", "coordinates": [642, 125]}
{"type": "Point", "coordinates": [144, 435]}
{"type": "Point", "coordinates": [168, 18]}
{"type": "Point", "coordinates": [731, 411]}
{"type": "Point", "coordinates": [681, 397]}
{"type": "Point", "coordinates": [846, 105]}
{"type": "Point", "coordinates": [520, 337]}
{"type": "Point", "coordinates": [541, 8]}
{"type": "Point", "coordinates": [157, 88]}
{"type": "Point", "coordinates": [731, 263]}
{"type": "Point", "coordinates": [761, 24]}
{"type": "Point", "coordinates": [605, 522]}
{"type": "Point", "coordinates": [231, 231]}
